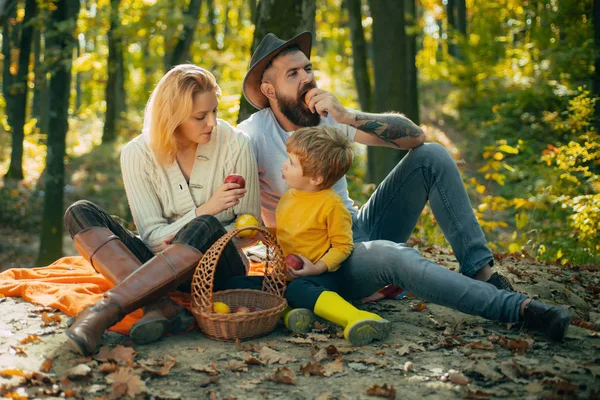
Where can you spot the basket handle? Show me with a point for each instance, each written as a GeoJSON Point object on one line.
{"type": "Point", "coordinates": [202, 283]}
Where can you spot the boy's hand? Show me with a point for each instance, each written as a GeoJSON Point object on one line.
{"type": "Point", "coordinates": [308, 269]}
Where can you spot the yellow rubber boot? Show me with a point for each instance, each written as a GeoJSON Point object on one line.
{"type": "Point", "coordinates": [298, 320]}
{"type": "Point", "coordinates": [360, 327]}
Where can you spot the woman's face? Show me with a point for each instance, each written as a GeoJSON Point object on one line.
{"type": "Point", "coordinates": [198, 127]}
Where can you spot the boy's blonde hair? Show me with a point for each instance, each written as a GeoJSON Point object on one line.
{"type": "Point", "coordinates": [172, 101]}
{"type": "Point", "coordinates": [323, 151]}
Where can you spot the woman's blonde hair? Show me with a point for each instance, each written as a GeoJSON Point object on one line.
{"type": "Point", "coordinates": [172, 101]}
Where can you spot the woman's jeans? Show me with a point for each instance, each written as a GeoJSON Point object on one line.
{"type": "Point", "coordinates": [427, 173]}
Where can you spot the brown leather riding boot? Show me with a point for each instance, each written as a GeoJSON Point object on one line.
{"type": "Point", "coordinates": [111, 258]}
{"type": "Point", "coordinates": [150, 282]}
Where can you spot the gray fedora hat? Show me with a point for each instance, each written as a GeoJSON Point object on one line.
{"type": "Point", "coordinates": [267, 49]}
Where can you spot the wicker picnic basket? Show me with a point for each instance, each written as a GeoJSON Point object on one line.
{"type": "Point", "coordinates": [229, 327]}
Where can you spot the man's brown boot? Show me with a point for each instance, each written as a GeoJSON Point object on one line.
{"type": "Point", "coordinates": [111, 258]}
{"type": "Point", "coordinates": [150, 282]}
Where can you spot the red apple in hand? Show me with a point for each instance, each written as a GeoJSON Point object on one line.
{"type": "Point", "coordinates": [294, 261]}
{"type": "Point", "coordinates": [241, 310]}
{"type": "Point", "coordinates": [235, 178]}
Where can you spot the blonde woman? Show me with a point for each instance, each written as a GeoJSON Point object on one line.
{"type": "Point", "coordinates": [173, 174]}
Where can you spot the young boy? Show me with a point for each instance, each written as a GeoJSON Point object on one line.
{"type": "Point", "coordinates": [314, 224]}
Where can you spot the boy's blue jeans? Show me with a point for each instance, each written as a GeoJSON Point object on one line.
{"type": "Point", "coordinates": [427, 173]}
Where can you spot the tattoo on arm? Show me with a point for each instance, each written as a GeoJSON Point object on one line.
{"type": "Point", "coordinates": [388, 127]}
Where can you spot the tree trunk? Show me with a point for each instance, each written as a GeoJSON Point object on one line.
{"type": "Point", "coordinates": [211, 16]}
{"type": "Point", "coordinates": [450, 12]}
{"type": "Point", "coordinates": [19, 94]}
{"type": "Point", "coordinates": [461, 17]}
{"type": "Point", "coordinates": [115, 85]}
{"type": "Point", "coordinates": [190, 21]}
{"type": "Point", "coordinates": [596, 77]}
{"type": "Point", "coordinates": [226, 27]}
{"type": "Point", "coordinates": [253, 13]}
{"type": "Point", "coordinates": [412, 92]}
{"type": "Point", "coordinates": [60, 47]}
{"type": "Point", "coordinates": [7, 78]}
{"type": "Point", "coordinates": [78, 51]}
{"type": "Point", "coordinates": [359, 55]}
{"type": "Point", "coordinates": [6, 10]}
{"type": "Point", "coordinates": [284, 18]}
{"type": "Point", "coordinates": [389, 62]}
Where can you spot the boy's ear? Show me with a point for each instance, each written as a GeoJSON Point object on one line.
{"type": "Point", "coordinates": [316, 180]}
{"type": "Point", "coordinates": [268, 90]}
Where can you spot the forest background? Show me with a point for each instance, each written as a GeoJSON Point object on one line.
{"type": "Point", "coordinates": [510, 86]}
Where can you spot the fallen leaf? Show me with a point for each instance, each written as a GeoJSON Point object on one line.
{"type": "Point", "coordinates": [250, 384]}
{"type": "Point", "coordinates": [517, 345]}
{"type": "Point", "coordinates": [30, 339]}
{"type": "Point", "coordinates": [51, 319]}
{"type": "Point", "coordinates": [7, 373]}
{"type": "Point", "coordinates": [458, 378]}
{"type": "Point", "coordinates": [47, 365]}
{"type": "Point", "coordinates": [164, 365]}
{"type": "Point", "coordinates": [271, 356]}
{"type": "Point", "coordinates": [283, 375]}
{"type": "Point", "coordinates": [298, 340]}
{"type": "Point", "coordinates": [484, 370]}
{"type": "Point", "coordinates": [207, 380]}
{"type": "Point", "coordinates": [317, 337]}
{"type": "Point", "coordinates": [481, 345]}
{"type": "Point", "coordinates": [408, 347]}
{"type": "Point", "coordinates": [312, 368]}
{"type": "Point", "coordinates": [95, 388]}
{"type": "Point", "coordinates": [78, 371]}
{"type": "Point", "coordinates": [118, 353]}
{"type": "Point", "coordinates": [16, 350]}
{"type": "Point", "coordinates": [327, 352]}
{"type": "Point", "coordinates": [419, 307]}
{"type": "Point", "coordinates": [380, 352]}
{"type": "Point", "coordinates": [334, 367]}
{"type": "Point", "coordinates": [206, 368]}
{"type": "Point", "coordinates": [382, 391]}
{"type": "Point", "coordinates": [125, 382]}
{"type": "Point", "coordinates": [236, 365]}
{"type": "Point", "coordinates": [251, 360]}
{"type": "Point", "coordinates": [108, 368]}
{"type": "Point", "coordinates": [534, 387]}
{"type": "Point", "coordinates": [407, 366]}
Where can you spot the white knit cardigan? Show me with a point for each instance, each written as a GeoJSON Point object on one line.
{"type": "Point", "coordinates": [161, 200]}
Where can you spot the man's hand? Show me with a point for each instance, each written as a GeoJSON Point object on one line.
{"type": "Point", "coordinates": [323, 102]}
{"type": "Point", "coordinates": [308, 269]}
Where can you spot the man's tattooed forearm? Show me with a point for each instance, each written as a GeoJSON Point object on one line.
{"type": "Point", "coordinates": [389, 127]}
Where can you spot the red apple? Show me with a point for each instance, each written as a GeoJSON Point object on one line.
{"type": "Point", "coordinates": [294, 261]}
{"type": "Point", "coordinates": [235, 178]}
{"type": "Point", "coordinates": [256, 308]}
{"type": "Point", "coordinates": [241, 310]}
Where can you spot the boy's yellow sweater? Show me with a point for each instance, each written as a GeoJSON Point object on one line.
{"type": "Point", "coordinates": [316, 225]}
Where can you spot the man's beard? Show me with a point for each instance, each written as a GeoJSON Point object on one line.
{"type": "Point", "coordinates": [296, 112]}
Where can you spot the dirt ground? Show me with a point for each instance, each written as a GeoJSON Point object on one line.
{"type": "Point", "coordinates": [433, 353]}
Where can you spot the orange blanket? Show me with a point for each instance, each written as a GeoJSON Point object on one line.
{"type": "Point", "coordinates": [70, 284]}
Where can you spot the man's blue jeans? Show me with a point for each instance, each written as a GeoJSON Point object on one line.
{"type": "Point", "coordinates": [427, 173]}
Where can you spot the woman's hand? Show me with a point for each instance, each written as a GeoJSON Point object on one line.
{"type": "Point", "coordinates": [226, 196]}
{"type": "Point", "coordinates": [308, 268]}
